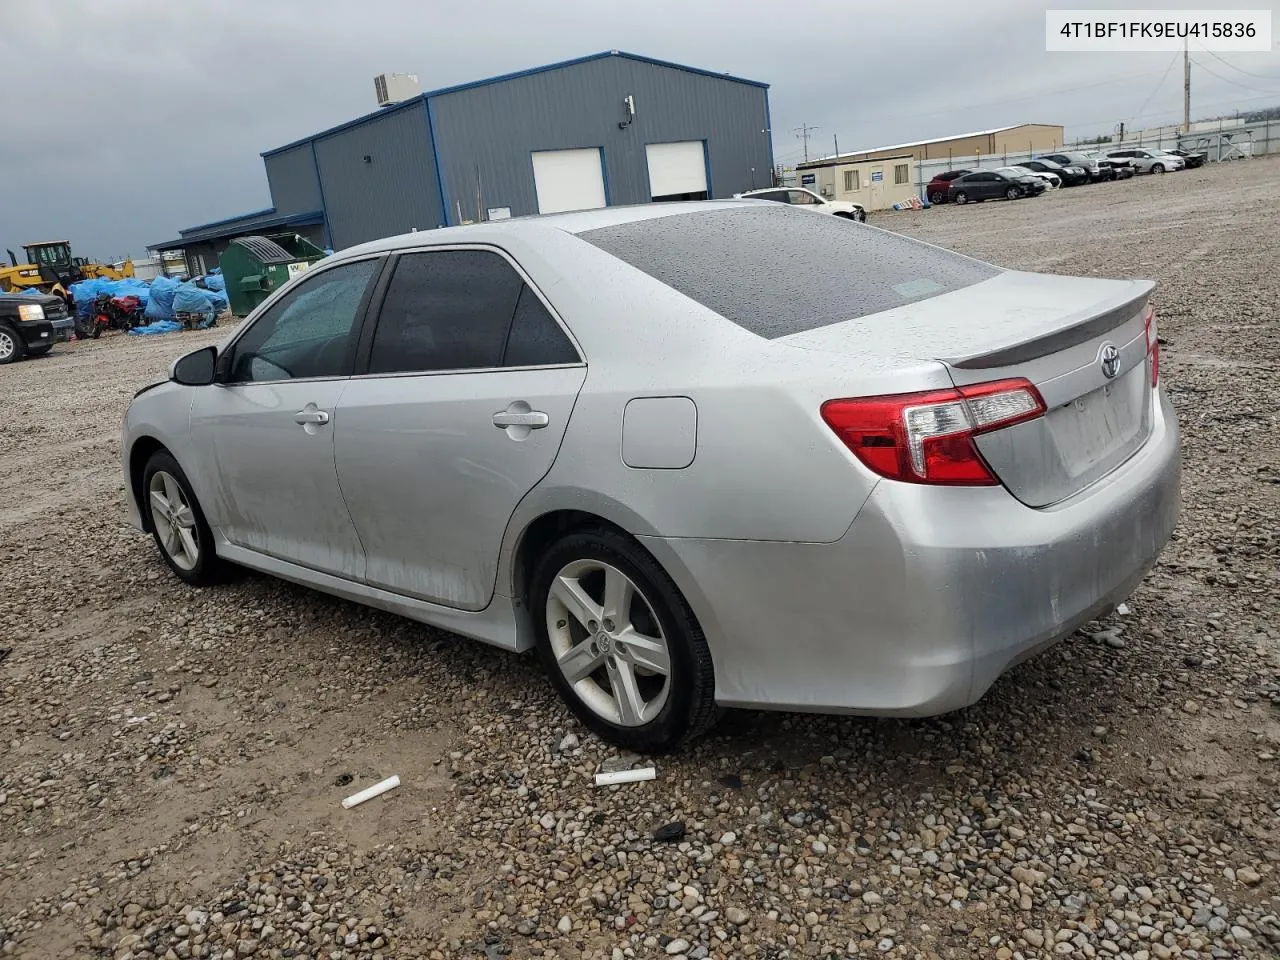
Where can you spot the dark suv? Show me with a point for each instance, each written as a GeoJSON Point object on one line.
{"type": "Point", "coordinates": [31, 325]}
{"type": "Point", "coordinates": [1070, 158]}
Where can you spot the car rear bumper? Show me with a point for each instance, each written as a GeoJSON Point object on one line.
{"type": "Point", "coordinates": [931, 594]}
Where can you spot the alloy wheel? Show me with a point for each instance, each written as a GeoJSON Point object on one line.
{"type": "Point", "coordinates": [174, 520]}
{"type": "Point", "coordinates": [7, 346]}
{"type": "Point", "coordinates": [607, 642]}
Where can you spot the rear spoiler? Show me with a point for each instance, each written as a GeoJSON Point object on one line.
{"type": "Point", "coordinates": [1074, 330]}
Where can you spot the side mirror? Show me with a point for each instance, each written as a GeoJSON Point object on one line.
{"type": "Point", "coordinates": [195, 369]}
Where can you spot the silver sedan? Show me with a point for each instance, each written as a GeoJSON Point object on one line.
{"type": "Point", "coordinates": [696, 455]}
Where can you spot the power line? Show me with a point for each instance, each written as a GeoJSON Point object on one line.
{"type": "Point", "coordinates": [803, 132]}
{"type": "Point", "coordinates": [1234, 83]}
{"type": "Point", "coordinates": [1260, 76]}
{"type": "Point", "coordinates": [1163, 77]}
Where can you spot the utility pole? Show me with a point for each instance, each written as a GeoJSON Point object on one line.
{"type": "Point", "coordinates": [803, 132]}
{"type": "Point", "coordinates": [835, 142]}
{"type": "Point", "coordinates": [1186, 87]}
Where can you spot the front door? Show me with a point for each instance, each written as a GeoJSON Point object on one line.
{"type": "Point", "coordinates": [266, 429]}
{"type": "Point", "coordinates": [469, 386]}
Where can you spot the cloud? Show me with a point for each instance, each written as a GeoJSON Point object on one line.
{"type": "Point", "coordinates": [138, 118]}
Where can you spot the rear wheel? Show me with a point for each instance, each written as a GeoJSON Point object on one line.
{"type": "Point", "coordinates": [961, 197]}
{"type": "Point", "coordinates": [12, 349]}
{"type": "Point", "coordinates": [178, 523]}
{"type": "Point", "coordinates": [620, 643]}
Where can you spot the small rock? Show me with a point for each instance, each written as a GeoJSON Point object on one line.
{"type": "Point", "coordinates": [670, 832]}
{"type": "Point", "coordinates": [1190, 706]}
{"type": "Point", "coordinates": [1116, 642]}
{"type": "Point", "coordinates": [565, 925]}
{"type": "Point", "coordinates": [1241, 934]}
{"type": "Point", "coordinates": [885, 945]}
{"type": "Point", "coordinates": [872, 898]}
{"type": "Point", "coordinates": [1248, 876]}
{"type": "Point", "coordinates": [678, 945]}
{"type": "Point", "coordinates": [728, 837]}
{"type": "Point", "coordinates": [526, 928]}
{"type": "Point", "coordinates": [737, 916]}
{"type": "Point", "coordinates": [1033, 937]}
{"type": "Point", "coordinates": [570, 742]}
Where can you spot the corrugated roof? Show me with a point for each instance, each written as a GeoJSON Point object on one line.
{"type": "Point", "coordinates": [239, 226]}
{"type": "Point", "coordinates": [921, 143]}
{"type": "Point", "coordinates": [502, 79]}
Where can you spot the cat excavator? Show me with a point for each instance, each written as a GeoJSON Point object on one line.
{"type": "Point", "coordinates": [50, 268]}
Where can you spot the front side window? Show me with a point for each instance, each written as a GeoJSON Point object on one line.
{"type": "Point", "coordinates": [463, 310]}
{"type": "Point", "coordinates": [310, 332]}
{"type": "Point", "coordinates": [801, 198]}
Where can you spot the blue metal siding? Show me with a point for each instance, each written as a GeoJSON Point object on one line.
{"type": "Point", "coordinates": [291, 175]}
{"type": "Point", "coordinates": [492, 129]}
{"type": "Point", "coordinates": [393, 193]}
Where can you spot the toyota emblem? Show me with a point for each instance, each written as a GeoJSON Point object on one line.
{"type": "Point", "coordinates": [1109, 360]}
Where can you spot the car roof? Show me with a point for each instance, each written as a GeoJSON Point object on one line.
{"type": "Point", "coordinates": [576, 222]}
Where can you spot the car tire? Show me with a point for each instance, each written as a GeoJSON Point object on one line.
{"type": "Point", "coordinates": [938, 197]}
{"type": "Point", "coordinates": [961, 197]}
{"type": "Point", "coordinates": [1013, 193]}
{"type": "Point", "coordinates": [163, 475]}
{"type": "Point", "coordinates": [12, 347]}
{"type": "Point", "coordinates": [1157, 168]}
{"type": "Point", "coordinates": [593, 671]}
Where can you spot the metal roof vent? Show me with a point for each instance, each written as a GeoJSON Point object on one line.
{"type": "Point", "coordinates": [394, 88]}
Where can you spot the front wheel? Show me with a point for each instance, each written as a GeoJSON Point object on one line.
{"type": "Point", "coordinates": [1158, 168]}
{"type": "Point", "coordinates": [12, 348]}
{"type": "Point", "coordinates": [620, 644]}
{"type": "Point", "coordinates": [178, 523]}
{"type": "Point", "coordinates": [962, 197]}
{"type": "Point", "coordinates": [937, 197]}
{"type": "Point", "coordinates": [1013, 193]}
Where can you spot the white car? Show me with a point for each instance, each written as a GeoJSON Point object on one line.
{"type": "Point", "coordinates": [1149, 160]}
{"type": "Point", "coordinates": [808, 200]}
{"type": "Point", "coordinates": [1051, 180]}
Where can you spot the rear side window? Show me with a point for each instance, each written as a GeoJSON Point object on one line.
{"type": "Point", "coordinates": [457, 310]}
{"type": "Point", "coordinates": [776, 271]}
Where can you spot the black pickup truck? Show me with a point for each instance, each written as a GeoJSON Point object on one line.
{"type": "Point", "coordinates": [30, 325]}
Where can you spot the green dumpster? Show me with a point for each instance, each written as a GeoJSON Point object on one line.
{"type": "Point", "coordinates": [255, 267]}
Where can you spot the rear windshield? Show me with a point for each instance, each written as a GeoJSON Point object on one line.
{"type": "Point", "coordinates": [776, 271]}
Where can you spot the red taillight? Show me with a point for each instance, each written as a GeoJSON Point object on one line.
{"type": "Point", "coordinates": [928, 437]}
{"type": "Point", "coordinates": [1153, 344]}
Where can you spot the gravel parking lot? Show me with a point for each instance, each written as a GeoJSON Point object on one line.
{"type": "Point", "coordinates": [174, 759]}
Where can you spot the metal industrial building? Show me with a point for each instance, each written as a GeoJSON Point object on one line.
{"type": "Point", "coordinates": [611, 128]}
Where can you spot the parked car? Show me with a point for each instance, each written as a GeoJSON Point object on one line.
{"type": "Point", "coordinates": [570, 432]}
{"type": "Point", "coordinates": [1051, 180]}
{"type": "Point", "coordinates": [1073, 158]}
{"type": "Point", "coordinates": [992, 185]}
{"type": "Point", "coordinates": [936, 191]}
{"type": "Point", "coordinates": [1149, 160]}
{"type": "Point", "coordinates": [30, 325]}
{"type": "Point", "coordinates": [1071, 176]}
{"type": "Point", "coordinates": [808, 200]}
{"type": "Point", "coordinates": [1121, 168]}
{"type": "Point", "coordinates": [1192, 160]}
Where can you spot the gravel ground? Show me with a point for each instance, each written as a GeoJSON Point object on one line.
{"type": "Point", "coordinates": [175, 758]}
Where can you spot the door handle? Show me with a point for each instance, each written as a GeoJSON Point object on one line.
{"type": "Point", "coordinates": [534, 420]}
{"type": "Point", "coordinates": [310, 416]}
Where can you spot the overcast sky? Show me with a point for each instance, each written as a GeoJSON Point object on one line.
{"type": "Point", "coordinates": [132, 119]}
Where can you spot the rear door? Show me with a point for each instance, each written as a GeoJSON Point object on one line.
{"type": "Point", "coordinates": [466, 386]}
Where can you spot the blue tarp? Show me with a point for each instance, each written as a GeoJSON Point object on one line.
{"type": "Point", "coordinates": [86, 292]}
{"type": "Point", "coordinates": [159, 326]}
{"type": "Point", "coordinates": [214, 281]}
{"type": "Point", "coordinates": [31, 292]}
{"type": "Point", "coordinates": [160, 306]}
{"type": "Point", "coordinates": [191, 298]}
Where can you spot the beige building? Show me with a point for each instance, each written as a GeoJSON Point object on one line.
{"type": "Point", "coordinates": [876, 184]}
{"type": "Point", "coordinates": [1023, 138]}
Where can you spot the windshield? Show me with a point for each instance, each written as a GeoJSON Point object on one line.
{"type": "Point", "coordinates": [741, 264]}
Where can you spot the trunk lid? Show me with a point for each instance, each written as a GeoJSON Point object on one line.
{"type": "Point", "coordinates": [1049, 330]}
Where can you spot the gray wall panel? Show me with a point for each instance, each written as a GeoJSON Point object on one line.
{"type": "Point", "coordinates": [394, 192]}
{"type": "Point", "coordinates": [291, 175]}
{"type": "Point", "coordinates": [488, 132]}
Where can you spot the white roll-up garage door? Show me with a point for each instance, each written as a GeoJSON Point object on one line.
{"type": "Point", "coordinates": [568, 180]}
{"type": "Point", "coordinates": [677, 171]}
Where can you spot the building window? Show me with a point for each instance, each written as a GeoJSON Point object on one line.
{"type": "Point", "coordinates": [901, 173]}
{"type": "Point", "coordinates": [852, 180]}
